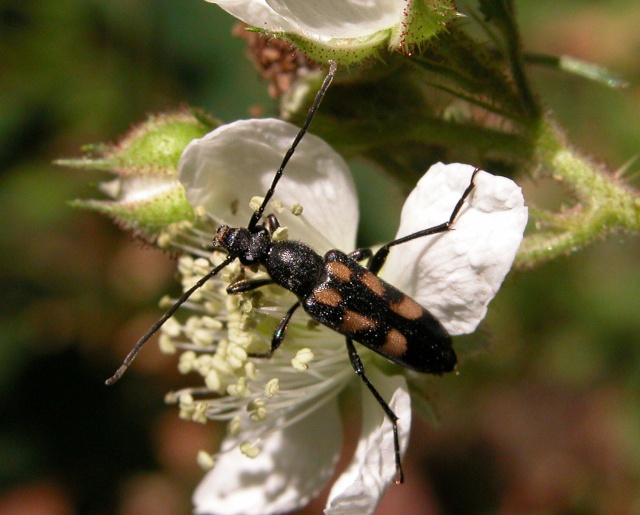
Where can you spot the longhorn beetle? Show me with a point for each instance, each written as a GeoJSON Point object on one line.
{"type": "Point", "coordinates": [334, 290]}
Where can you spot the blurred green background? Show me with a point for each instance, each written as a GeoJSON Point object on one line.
{"type": "Point", "coordinates": [546, 421]}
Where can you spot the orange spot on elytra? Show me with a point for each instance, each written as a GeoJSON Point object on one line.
{"type": "Point", "coordinates": [328, 296]}
{"type": "Point", "coordinates": [352, 322]}
{"type": "Point", "coordinates": [340, 271]}
{"type": "Point", "coordinates": [395, 343]}
{"type": "Point", "coordinates": [407, 308]}
{"type": "Point", "coordinates": [372, 282]}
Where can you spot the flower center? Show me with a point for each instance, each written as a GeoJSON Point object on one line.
{"type": "Point", "coordinates": [222, 341]}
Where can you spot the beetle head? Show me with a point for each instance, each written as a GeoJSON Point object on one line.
{"type": "Point", "coordinates": [250, 247]}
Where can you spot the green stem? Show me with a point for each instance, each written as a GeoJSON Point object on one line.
{"type": "Point", "coordinates": [605, 203]}
{"type": "Point", "coordinates": [584, 69]}
{"type": "Point", "coordinates": [359, 137]}
{"type": "Point", "coordinates": [516, 60]}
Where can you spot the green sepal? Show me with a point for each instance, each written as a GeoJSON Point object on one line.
{"type": "Point", "coordinates": [344, 51]}
{"type": "Point", "coordinates": [145, 218]}
{"type": "Point", "coordinates": [423, 20]}
{"type": "Point", "coordinates": [157, 144]}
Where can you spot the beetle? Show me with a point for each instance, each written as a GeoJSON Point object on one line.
{"type": "Point", "coordinates": [335, 290]}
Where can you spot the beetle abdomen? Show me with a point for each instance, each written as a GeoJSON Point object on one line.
{"type": "Point", "coordinates": [355, 302]}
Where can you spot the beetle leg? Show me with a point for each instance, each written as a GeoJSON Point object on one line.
{"type": "Point", "coordinates": [376, 262]}
{"type": "Point", "coordinates": [248, 285]}
{"type": "Point", "coordinates": [357, 365]}
{"type": "Point", "coordinates": [278, 334]}
{"type": "Point", "coordinates": [272, 224]}
{"type": "Point", "coordinates": [361, 254]}
{"type": "Point", "coordinates": [255, 218]}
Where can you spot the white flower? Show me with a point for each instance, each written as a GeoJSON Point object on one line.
{"type": "Point", "coordinates": [284, 426]}
{"type": "Point", "coordinates": [344, 30]}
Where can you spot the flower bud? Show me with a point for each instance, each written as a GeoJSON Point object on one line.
{"type": "Point", "coordinates": [344, 30]}
{"type": "Point", "coordinates": [146, 195]}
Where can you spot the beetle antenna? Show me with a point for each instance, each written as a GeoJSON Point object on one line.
{"type": "Point", "coordinates": [255, 218]}
{"type": "Point", "coordinates": [154, 328]}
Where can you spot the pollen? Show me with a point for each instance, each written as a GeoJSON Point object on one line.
{"type": "Point", "coordinates": [257, 409]}
{"type": "Point", "coordinates": [250, 370]}
{"type": "Point", "coordinates": [205, 460]}
{"type": "Point", "coordinates": [280, 234]}
{"type": "Point", "coordinates": [221, 364]}
{"type": "Point", "coordinates": [166, 344]}
{"type": "Point", "coordinates": [210, 323]}
{"type": "Point", "coordinates": [246, 306]}
{"type": "Point", "coordinates": [259, 414]}
{"type": "Point", "coordinates": [239, 389]}
{"type": "Point", "coordinates": [200, 413]}
{"type": "Point", "coordinates": [201, 266]}
{"type": "Point", "coordinates": [171, 398]}
{"type": "Point", "coordinates": [164, 240]}
{"type": "Point", "coordinates": [255, 203]}
{"type": "Point", "coordinates": [186, 362]}
{"type": "Point", "coordinates": [186, 400]}
{"type": "Point", "coordinates": [256, 403]}
{"type": "Point", "coordinates": [236, 357]}
{"type": "Point", "coordinates": [218, 342]}
{"type": "Point", "coordinates": [296, 209]}
{"type": "Point", "coordinates": [272, 388]}
{"type": "Point", "coordinates": [231, 272]}
{"type": "Point", "coordinates": [166, 302]}
{"type": "Point", "coordinates": [191, 409]}
{"type": "Point", "coordinates": [172, 327]}
{"type": "Point", "coordinates": [202, 364]}
{"type": "Point", "coordinates": [212, 381]}
{"type": "Point", "coordinates": [203, 337]}
{"type": "Point", "coordinates": [249, 450]}
{"type": "Point", "coordinates": [277, 206]}
{"type": "Point", "coordinates": [302, 359]}
{"type": "Point", "coordinates": [234, 426]}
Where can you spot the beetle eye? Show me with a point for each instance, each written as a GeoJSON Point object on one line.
{"type": "Point", "coordinates": [221, 237]}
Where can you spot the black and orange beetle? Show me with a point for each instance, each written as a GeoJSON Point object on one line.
{"type": "Point", "coordinates": [335, 290]}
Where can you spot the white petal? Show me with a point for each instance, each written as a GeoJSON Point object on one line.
{"type": "Point", "coordinates": [257, 14]}
{"type": "Point", "coordinates": [320, 21]}
{"type": "Point", "coordinates": [226, 168]}
{"type": "Point", "coordinates": [292, 468]}
{"type": "Point", "coordinates": [359, 489]}
{"type": "Point", "coordinates": [340, 18]}
{"type": "Point", "coordinates": [456, 274]}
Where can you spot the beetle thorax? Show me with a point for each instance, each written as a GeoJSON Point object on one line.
{"type": "Point", "coordinates": [294, 266]}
